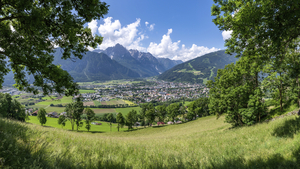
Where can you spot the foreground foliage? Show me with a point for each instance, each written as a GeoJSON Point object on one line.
{"type": "Point", "coordinates": [203, 143]}
{"type": "Point", "coordinates": [30, 31]}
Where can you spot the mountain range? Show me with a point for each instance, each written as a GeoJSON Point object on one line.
{"type": "Point", "coordinates": [111, 64]}
{"type": "Point", "coordinates": [200, 69]}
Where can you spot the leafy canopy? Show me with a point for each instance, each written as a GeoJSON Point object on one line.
{"type": "Point", "coordinates": [30, 31]}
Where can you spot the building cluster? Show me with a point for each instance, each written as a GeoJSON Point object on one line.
{"type": "Point", "coordinates": [141, 92]}
{"type": "Point", "coordinates": [155, 90]}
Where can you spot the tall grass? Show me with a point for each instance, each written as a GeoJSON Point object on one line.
{"type": "Point", "coordinates": [203, 143]}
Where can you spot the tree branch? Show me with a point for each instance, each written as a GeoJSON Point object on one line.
{"type": "Point", "coordinates": [9, 18]}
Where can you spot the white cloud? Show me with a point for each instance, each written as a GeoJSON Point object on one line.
{"type": "Point", "coordinates": [131, 37]}
{"type": "Point", "coordinates": [93, 26]}
{"type": "Point", "coordinates": [151, 27]}
{"type": "Point", "coordinates": [113, 33]}
{"type": "Point", "coordinates": [171, 50]}
{"type": "Point", "coordinates": [226, 34]}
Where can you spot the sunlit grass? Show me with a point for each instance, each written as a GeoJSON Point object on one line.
{"type": "Point", "coordinates": [203, 143]}
{"type": "Point", "coordinates": [53, 122]}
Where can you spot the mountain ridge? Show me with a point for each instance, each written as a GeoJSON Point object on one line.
{"type": "Point", "coordinates": [200, 69]}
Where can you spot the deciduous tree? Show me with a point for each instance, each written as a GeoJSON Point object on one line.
{"type": "Point", "coordinates": [31, 30]}
{"type": "Point", "coordinates": [173, 110]}
{"type": "Point", "coordinates": [110, 119]}
{"type": "Point", "coordinates": [120, 120]}
{"type": "Point", "coordinates": [42, 116]}
{"type": "Point", "coordinates": [90, 115]}
{"type": "Point", "coordinates": [62, 120]}
{"type": "Point", "coordinates": [130, 120]}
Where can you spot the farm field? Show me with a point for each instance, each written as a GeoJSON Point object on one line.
{"type": "Point", "coordinates": [91, 103]}
{"type": "Point", "coordinates": [128, 102]}
{"type": "Point", "coordinates": [126, 110]}
{"type": "Point", "coordinates": [202, 143]}
{"type": "Point", "coordinates": [87, 91]}
{"type": "Point", "coordinates": [103, 110]}
{"type": "Point", "coordinates": [113, 102]}
{"type": "Point", "coordinates": [63, 100]}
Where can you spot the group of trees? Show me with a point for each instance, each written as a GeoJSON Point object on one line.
{"type": "Point", "coordinates": [11, 108]}
{"type": "Point", "coordinates": [267, 45]}
{"type": "Point", "coordinates": [74, 112]}
{"type": "Point", "coordinates": [162, 113]}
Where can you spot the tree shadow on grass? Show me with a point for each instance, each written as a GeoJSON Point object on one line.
{"type": "Point", "coordinates": [157, 126]}
{"type": "Point", "coordinates": [289, 128]}
{"type": "Point", "coordinates": [19, 150]}
{"type": "Point", "coordinates": [274, 161]}
{"type": "Point", "coordinates": [48, 126]}
{"type": "Point", "coordinates": [96, 132]}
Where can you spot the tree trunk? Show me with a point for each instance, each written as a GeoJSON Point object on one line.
{"type": "Point", "coordinates": [298, 100]}
{"type": "Point", "coordinates": [118, 127]}
{"type": "Point", "coordinates": [280, 94]}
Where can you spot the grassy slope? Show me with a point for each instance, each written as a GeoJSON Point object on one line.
{"type": "Point", "coordinates": [203, 143]}
{"type": "Point", "coordinates": [53, 122]}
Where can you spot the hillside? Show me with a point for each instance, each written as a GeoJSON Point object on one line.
{"type": "Point", "coordinates": [200, 69]}
{"type": "Point", "coordinates": [203, 143]}
{"type": "Point", "coordinates": [114, 63]}
{"type": "Point", "coordinates": [145, 64]}
{"type": "Point", "coordinates": [94, 66]}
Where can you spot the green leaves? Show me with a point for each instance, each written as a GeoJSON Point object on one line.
{"type": "Point", "coordinates": [30, 30]}
{"type": "Point", "coordinates": [42, 116]}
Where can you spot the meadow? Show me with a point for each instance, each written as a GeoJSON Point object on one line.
{"type": "Point", "coordinates": [53, 122]}
{"type": "Point", "coordinates": [203, 143]}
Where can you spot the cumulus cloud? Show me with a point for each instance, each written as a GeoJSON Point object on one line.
{"type": "Point", "coordinates": [93, 26]}
{"type": "Point", "coordinates": [226, 34]}
{"type": "Point", "coordinates": [168, 49]}
{"type": "Point", "coordinates": [131, 37]}
{"type": "Point", "coordinates": [113, 33]}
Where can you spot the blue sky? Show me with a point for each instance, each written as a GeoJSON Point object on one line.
{"type": "Point", "coordinates": [173, 29]}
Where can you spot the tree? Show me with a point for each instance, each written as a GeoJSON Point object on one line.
{"type": "Point", "coordinates": [258, 26]}
{"type": "Point", "coordinates": [11, 108]}
{"type": "Point", "coordinates": [62, 120]}
{"type": "Point", "coordinates": [110, 119]}
{"type": "Point", "coordinates": [143, 113]}
{"type": "Point", "coordinates": [235, 93]}
{"type": "Point", "coordinates": [120, 120]}
{"type": "Point", "coordinates": [173, 110]}
{"type": "Point", "coordinates": [150, 115]}
{"type": "Point", "coordinates": [145, 107]}
{"type": "Point", "coordinates": [192, 109]}
{"type": "Point", "coordinates": [161, 112]}
{"type": "Point", "coordinates": [42, 116]}
{"type": "Point", "coordinates": [74, 111]}
{"type": "Point", "coordinates": [30, 31]}
{"type": "Point", "coordinates": [90, 115]}
{"type": "Point", "coordinates": [130, 120]}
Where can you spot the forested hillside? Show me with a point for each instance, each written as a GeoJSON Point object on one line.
{"type": "Point", "coordinates": [94, 66]}
{"type": "Point", "coordinates": [200, 69]}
